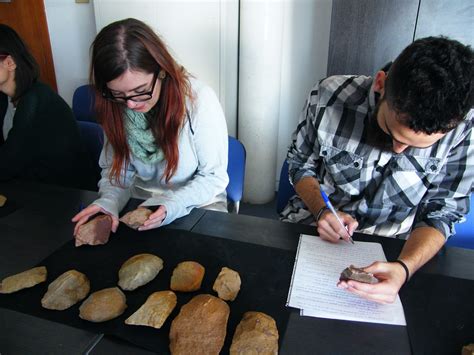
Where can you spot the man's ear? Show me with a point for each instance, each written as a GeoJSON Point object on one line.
{"type": "Point", "coordinates": [9, 63]}
{"type": "Point", "coordinates": [379, 82]}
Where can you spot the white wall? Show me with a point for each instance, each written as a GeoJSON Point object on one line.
{"type": "Point", "coordinates": [304, 62]}
{"type": "Point", "coordinates": [71, 31]}
{"type": "Point", "coordinates": [281, 58]}
{"type": "Point", "coordinates": [202, 36]}
{"type": "Point", "coordinates": [260, 54]}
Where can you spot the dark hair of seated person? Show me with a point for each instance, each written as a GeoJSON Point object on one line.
{"type": "Point", "coordinates": [431, 84]}
{"type": "Point", "coordinates": [43, 143]}
{"type": "Point", "coordinates": [27, 69]}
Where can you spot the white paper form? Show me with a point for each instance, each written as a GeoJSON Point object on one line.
{"type": "Point", "coordinates": [313, 289]}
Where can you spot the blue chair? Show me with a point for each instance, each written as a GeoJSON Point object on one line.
{"type": "Point", "coordinates": [285, 189]}
{"type": "Point", "coordinates": [464, 237]}
{"type": "Point", "coordinates": [92, 137]}
{"type": "Point", "coordinates": [236, 172]}
{"type": "Point", "coordinates": [83, 102]}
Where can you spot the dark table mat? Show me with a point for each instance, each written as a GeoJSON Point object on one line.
{"type": "Point", "coordinates": [265, 273]}
{"type": "Point", "coordinates": [322, 336]}
{"type": "Point", "coordinates": [439, 311]}
{"type": "Point", "coordinates": [9, 207]}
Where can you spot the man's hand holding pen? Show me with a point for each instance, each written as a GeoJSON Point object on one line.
{"type": "Point", "coordinates": [336, 226]}
{"type": "Point", "coordinates": [331, 230]}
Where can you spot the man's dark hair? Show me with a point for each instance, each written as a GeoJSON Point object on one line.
{"type": "Point", "coordinates": [431, 84]}
{"type": "Point", "coordinates": [27, 70]}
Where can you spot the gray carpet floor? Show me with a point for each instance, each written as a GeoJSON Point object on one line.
{"type": "Point", "coordinates": [267, 210]}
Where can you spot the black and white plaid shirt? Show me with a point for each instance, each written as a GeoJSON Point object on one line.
{"type": "Point", "coordinates": [338, 141]}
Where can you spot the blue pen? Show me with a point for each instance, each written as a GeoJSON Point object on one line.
{"type": "Point", "coordinates": [331, 208]}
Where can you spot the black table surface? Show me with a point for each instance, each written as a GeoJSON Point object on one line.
{"type": "Point", "coordinates": [39, 223]}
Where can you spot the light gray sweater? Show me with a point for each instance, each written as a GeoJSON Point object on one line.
{"type": "Point", "coordinates": [201, 177]}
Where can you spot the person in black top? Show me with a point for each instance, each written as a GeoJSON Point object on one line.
{"type": "Point", "coordinates": [39, 136]}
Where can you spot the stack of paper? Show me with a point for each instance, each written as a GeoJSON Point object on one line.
{"type": "Point", "coordinates": [313, 289]}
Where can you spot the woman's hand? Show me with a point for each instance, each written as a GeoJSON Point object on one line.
{"type": "Point", "coordinates": [155, 219]}
{"type": "Point", "coordinates": [391, 275]}
{"type": "Point", "coordinates": [329, 228]}
{"type": "Point", "coordinates": [91, 210]}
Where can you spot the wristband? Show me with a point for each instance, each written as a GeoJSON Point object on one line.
{"type": "Point", "coordinates": [405, 267]}
{"type": "Point", "coordinates": [320, 212]}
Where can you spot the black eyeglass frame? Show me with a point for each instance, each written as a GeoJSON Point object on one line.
{"type": "Point", "coordinates": [106, 94]}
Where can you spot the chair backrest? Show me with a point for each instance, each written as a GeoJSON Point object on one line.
{"type": "Point", "coordinates": [285, 190]}
{"type": "Point", "coordinates": [464, 237]}
{"type": "Point", "coordinates": [92, 137]}
{"type": "Point", "coordinates": [83, 102]}
{"type": "Point", "coordinates": [236, 172]}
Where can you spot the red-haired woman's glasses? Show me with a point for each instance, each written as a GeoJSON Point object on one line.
{"type": "Point", "coordinates": [135, 98]}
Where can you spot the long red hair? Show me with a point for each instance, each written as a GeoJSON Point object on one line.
{"type": "Point", "coordinates": [131, 44]}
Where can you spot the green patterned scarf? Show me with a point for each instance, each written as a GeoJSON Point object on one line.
{"type": "Point", "coordinates": [140, 138]}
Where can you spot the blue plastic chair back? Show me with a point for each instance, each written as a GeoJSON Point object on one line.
{"type": "Point", "coordinates": [92, 137]}
{"type": "Point", "coordinates": [83, 102]}
{"type": "Point", "coordinates": [285, 189]}
{"type": "Point", "coordinates": [236, 172]}
{"type": "Point", "coordinates": [464, 237]}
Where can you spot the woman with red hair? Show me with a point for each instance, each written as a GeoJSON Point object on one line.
{"type": "Point", "coordinates": [165, 132]}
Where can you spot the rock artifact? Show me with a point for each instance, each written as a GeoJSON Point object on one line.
{"type": "Point", "coordinates": [3, 199]}
{"type": "Point", "coordinates": [95, 232]}
{"type": "Point", "coordinates": [468, 349]}
{"type": "Point", "coordinates": [68, 289]}
{"type": "Point", "coordinates": [357, 274]}
{"type": "Point", "coordinates": [25, 279]}
{"type": "Point", "coordinates": [136, 218]}
{"type": "Point", "coordinates": [103, 305]}
{"type": "Point", "coordinates": [187, 276]}
{"type": "Point", "coordinates": [256, 333]}
{"type": "Point", "coordinates": [200, 326]}
{"type": "Point", "coordinates": [227, 284]}
{"type": "Point", "coordinates": [155, 310]}
{"type": "Point", "coordinates": [139, 270]}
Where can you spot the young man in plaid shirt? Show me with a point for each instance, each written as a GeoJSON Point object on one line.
{"type": "Point", "coordinates": [395, 154]}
